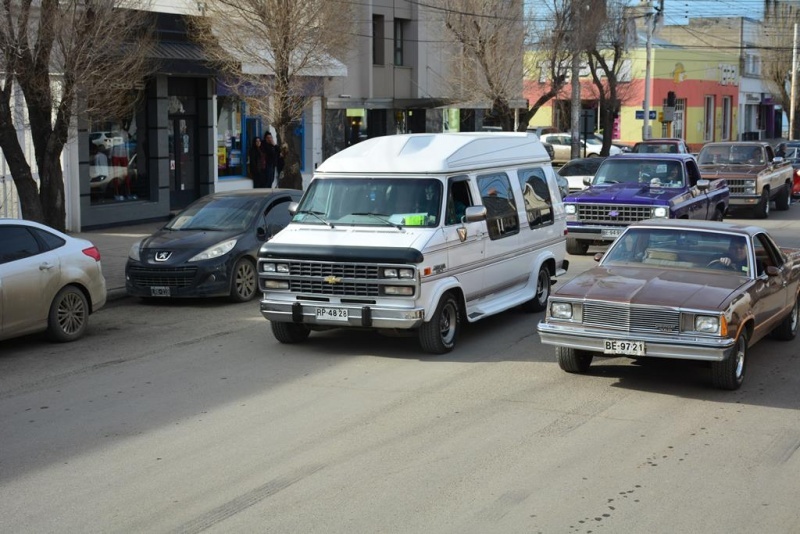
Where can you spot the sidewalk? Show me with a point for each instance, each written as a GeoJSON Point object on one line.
{"type": "Point", "coordinates": [114, 244]}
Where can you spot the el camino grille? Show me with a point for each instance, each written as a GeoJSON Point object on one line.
{"type": "Point", "coordinates": [737, 186]}
{"type": "Point", "coordinates": [163, 276]}
{"type": "Point", "coordinates": [610, 213]}
{"type": "Point", "coordinates": [632, 319]}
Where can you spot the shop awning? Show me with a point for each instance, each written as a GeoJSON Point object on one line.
{"type": "Point", "coordinates": [176, 57]}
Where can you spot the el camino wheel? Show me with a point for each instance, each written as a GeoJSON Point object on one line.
{"type": "Point", "coordinates": [787, 330]}
{"type": "Point", "coordinates": [577, 247]}
{"type": "Point", "coordinates": [438, 335]}
{"type": "Point", "coordinates": [761, 211]}
{"type": "Point", "coordinates": [69, 315]}
{"type": "Point", "coordinates": [289, 332]}
{"type": "Point", "coordinates": [729, 373]}
{"type": "Point", "coordinates": [539, 301]}
{"type": "Point", "coordinates": [784, 199]}
{"type": "Point", "coordinates": [244, 281]}
{"type": "Point", "coordinates": [573, 360]}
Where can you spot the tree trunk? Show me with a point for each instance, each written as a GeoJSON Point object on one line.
{"type": "Point", "coordinates": [20, 169]}
{"type": "Point", "coordinates": [51, 190]}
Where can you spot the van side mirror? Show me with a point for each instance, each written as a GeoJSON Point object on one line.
{"type": "Point", "coordinates": [293, 207]}
{"type": "Point", "coordinates": [475, 214]}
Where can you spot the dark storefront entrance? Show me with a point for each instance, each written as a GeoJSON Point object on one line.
{"type": "Point", "coordinates": [183, 185]}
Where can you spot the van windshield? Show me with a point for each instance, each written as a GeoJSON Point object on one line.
{"type": "Point", "coordinates": [371, 202]}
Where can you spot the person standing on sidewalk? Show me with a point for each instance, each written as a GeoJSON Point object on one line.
{"type": "Point", "coordinates": [258, 164]}
{"type": "Point", "coordinates": [271, 153]}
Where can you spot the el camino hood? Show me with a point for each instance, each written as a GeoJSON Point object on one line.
{"type": "Point", "coordinates": [653, 286]}
{"type": "Point", "coordinates": [186, 239]}
{"type": "Point", "coordinates": [624, 193]}
{"type": "Point", "coordinates": [354, 236]}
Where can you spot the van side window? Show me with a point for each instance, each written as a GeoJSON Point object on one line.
{"type": "Point", "coordinates": [501, 212]}
{"type": "Point", "coordinates": [458, 200]}
{"type": "Point", "coordinates": [536, 194]}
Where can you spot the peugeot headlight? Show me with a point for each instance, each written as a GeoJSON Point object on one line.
{"type": "Point", "coordinates": [707, 324]}
{"type": "Point", "coordinates": [660, 212]}
{"type": "Point", "coordinates": [561, 310]}
{"type": "Point", "coordinates": [133, 253]}
{"type": "Point", "coordinates": [220, 249]}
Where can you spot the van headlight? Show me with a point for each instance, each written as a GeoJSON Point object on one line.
{"type": "Point", "coordinates": [403, 273]}
{"type": "Point", "coordinates": [561, 310]}
{"type": "Point", "coordinates": [660, 212]}
{"type": "Point", "coordinates": [268, 267]}
{"type": "Point", "coordinates": [402, 291]}
{"type": "Point", "coordinates": [220, 249]}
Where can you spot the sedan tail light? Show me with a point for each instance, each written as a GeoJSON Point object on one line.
{"type": "Point", "coordinates": [93, 253]}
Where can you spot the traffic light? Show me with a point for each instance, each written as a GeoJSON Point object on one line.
{"type": "Point", "coordinates": [671, 99]}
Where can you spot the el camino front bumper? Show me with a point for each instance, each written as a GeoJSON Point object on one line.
{"type": "Point", "coordinates": [680, 346]}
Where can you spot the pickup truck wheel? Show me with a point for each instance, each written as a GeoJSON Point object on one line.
{"type": "Point", "coordinates": [539, 301]}
{"type": "Point", "coordinates": [787, 330]}
{"type": "Point", "coordinates": [578, 247]}
{"type": "Point", "coordinates": [289, 332]}
{"type": "Point", "coordinates": [573, 360]}
{"type": "Point", "coordinates": [718, 215]}
{"type": "Point", "coordinates": [438, 335]}
{"type": "Point", "coordinates": [761, 210]}
{"type": "Point", "coordinates": [729, 373]}
{"type": "Point", "coordinates": [784, 198]}
{"type": "Point", "coordinates": [243, 281]}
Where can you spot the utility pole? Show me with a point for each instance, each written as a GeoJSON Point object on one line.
{"type": "Point", "coordinates": [651, 21]}
{"type": "Point", "coordinates": [794, 85]}
{"type": "Point", "coordinates": [575, 115]}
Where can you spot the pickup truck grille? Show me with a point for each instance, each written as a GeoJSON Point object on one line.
{"type": "Point", "coordinates": [633, 319]}
{"type": "Point", "coordinates": [737, 186]}
{"type": "Point", "coordinates": [612, 213]}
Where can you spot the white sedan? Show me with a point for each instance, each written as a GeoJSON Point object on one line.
{"type": "Point", "coordinates": [562, 147]}
{"type": "Point", "coordinates": [49, 282]}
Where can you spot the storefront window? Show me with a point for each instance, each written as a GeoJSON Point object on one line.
{"type": "Point", "coordinates": [229, 136]}
{"type": "Point", "coordinates": [117, 170]}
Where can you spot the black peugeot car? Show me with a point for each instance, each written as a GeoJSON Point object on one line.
{"type": "Point", "coordinates": [210, 248]}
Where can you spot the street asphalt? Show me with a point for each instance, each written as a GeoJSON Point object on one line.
{"type": "Point", "coordinates": [114, 244]}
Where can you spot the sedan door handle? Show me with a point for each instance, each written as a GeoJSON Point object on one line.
{"type": "Point", "coordinates": [45, 266]}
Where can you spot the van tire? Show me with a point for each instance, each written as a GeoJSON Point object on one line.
{"type": "Point", "coordinates": [577, 247]}
{"type": "Point", "coordinates": [784, 199]}
{"type": "Point", "coordinates": [539, 301]}
{"type": "Point", "coordinates": [438, 336]}
{"type": "Point", "coordinates": [289, 332]}
{"type": "Point", "coordinates": [573, 360]}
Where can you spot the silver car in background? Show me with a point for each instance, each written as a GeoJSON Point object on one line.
{"type": "Point", "coordinates": [49, 282]}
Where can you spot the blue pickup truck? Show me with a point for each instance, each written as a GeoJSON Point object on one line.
{"type": "Point", "coordinates": [635, 187]}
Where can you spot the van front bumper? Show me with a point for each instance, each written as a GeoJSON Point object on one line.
{"type": "Point", "coordinates": [366, 316]}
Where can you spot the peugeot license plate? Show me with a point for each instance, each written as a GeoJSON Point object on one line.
{"type": "Point", "coordinates": [619, 346]}
{"type": "Point", "coordinates": [159, 291]}
{"type": "Point", "coordinates": [332, 314]}
{"type": "Point", "coordinates": [611, 232]}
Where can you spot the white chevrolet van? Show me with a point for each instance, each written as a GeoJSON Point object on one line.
{"type": "Point", "coordinates": [417, 232]}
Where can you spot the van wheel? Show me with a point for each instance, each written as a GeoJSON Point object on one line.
{"type": "Point", "coordinates": [438, 335]}
{"type": "Point", "coordinates": [289, 332]}
{"type": "Point", "coordinates": [69, 315]}
{"type": "Point", "coordinates": [784, 199]}
{"type": "Point", "coordinates": [729, 373]}
{"type": "Point", "coordinates": [573, 360]}
{"type": "Point", "coordinates": [578, 247]}
{"type": "Point", "coordinates": [539, 301]}
{"type": "Point", "coordinates": [761, 210]}
{"type": "Point", "coordinates": [243, 281]}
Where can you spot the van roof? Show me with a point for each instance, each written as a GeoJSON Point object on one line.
{"type": "Point", "coordinates": [436, 153]}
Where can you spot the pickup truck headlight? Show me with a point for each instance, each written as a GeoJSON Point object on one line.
{"type": "Point", "coordinates": [561, 310]}
{"type": "Point", "coordinates": [707, 324]}
{"type": "Point", "coordinates": [570, 209]}
{"type": "Point", "coordinates": [660, 212]}
{"type": "Point", "coordinates": [749, 188]}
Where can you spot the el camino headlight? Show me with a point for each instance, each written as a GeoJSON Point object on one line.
{"type": "Point", "coordinates": [660, 211]}
{"type": "Point", "coordinates": [561, 310]}
{"type": "Point", "coordinates": [220, 249]}
{"type": "Point", "coordinates": [707, 324]}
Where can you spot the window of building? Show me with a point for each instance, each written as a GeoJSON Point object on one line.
{"type": "Point", "coordinates": [752, 64]}
{"type": "Point", "coordinates": [498, 197]}
{"type": "Point", "coordinates": [708, 118]}
{"type": "Point", "coordinates": [726, 118]}
{"type": "Point", "coordinates": [399, 40]}
{"type": "Point", "coordinates": [229, 137]}
{"type": "Point", "coordinates": [117, 165]}
{"type": "Point", "coordinates": [678, 120]}
{"type": "Point", "coordinates": [378, 40]}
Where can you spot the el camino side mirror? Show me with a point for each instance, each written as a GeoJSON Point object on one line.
{"type": "Point", "coordinates": [599, 256]}
{"type": "Point", "coordinates": [771, 270]}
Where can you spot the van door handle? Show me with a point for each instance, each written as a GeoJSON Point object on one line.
{"type": "Point", "coordinates": [45, 266]}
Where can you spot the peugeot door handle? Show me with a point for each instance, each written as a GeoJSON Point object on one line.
{"type": "Point", "coordinates": [45, 266]}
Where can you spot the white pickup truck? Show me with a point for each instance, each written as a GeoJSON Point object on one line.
{"type": "Point", "coordinates": [755, 177]}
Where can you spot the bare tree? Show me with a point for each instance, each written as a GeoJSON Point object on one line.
{"type": "Point", "coordinates": [776, 55]}
{"type": "Point", "coordinates": [487, 53]}
{"type": "Point", "coordinates": [274, 53]}
{"type": "Point", "coordinates": [63, 54]}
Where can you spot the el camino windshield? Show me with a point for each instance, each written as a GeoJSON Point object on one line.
{"type": "Point", "coordinates": [680, 248]}
{"type": "Point", "coordinates": [371, 202]}
{"type": "Point", "coordinates": [640, 171]}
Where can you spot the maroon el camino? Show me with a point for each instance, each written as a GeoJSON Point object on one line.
{"type": "Point", "coordinates": [692, 290]}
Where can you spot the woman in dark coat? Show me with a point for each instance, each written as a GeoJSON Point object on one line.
{"type": "Point", "coordinates": [258, 164]}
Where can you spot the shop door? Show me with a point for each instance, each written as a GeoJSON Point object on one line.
{"type": "Point", "coordinates": [183, 183]}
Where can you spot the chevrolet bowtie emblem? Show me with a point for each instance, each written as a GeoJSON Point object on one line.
{"type": "Point", "coordinates": [333, 280]}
